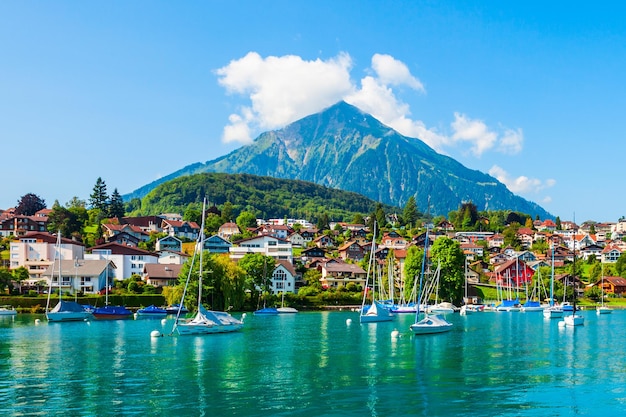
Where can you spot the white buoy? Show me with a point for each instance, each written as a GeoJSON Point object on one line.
{"type": "Point", "coordinates": [395, 333]}
{"type": "Point", "coordinates": [163, 321]}
{"type": "Point", "coordinates": [155, 333]}
{"type": "Point", "coordinates": [562, 323]}
{"type": "Point", "coordinates": [37, 321]}
{"type": "Point", "coordinates": [349, 322]}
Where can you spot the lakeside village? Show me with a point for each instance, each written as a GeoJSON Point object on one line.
{"type": "Point", "coordinates": [146, 255]}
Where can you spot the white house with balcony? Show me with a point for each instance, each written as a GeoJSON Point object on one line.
{"type": "Point", "coordinates": [36, 251]}
{"type": "Point", "coordinates": [129, 260]}
{"type": "Point", "coordinates": [283, 278]}
{"type": "Point", "coordinates": [279, 249]}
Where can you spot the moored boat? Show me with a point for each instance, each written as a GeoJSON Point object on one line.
{"type": "Point", "coordinates": [151, 311]}
{"type": "Point", "coordinates": [266, 311]}
{"type": "Point", "coordinates": [7, 310]}
{"type": "Point", "coordinates": [112, 313]}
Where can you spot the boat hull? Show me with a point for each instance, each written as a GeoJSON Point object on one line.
{"type": "Point", "coordinates": [286, 310]}
{"type": "Point", "coordinates": [7, 312]}
{"type": "Point", "coordinates": [68, 316]}
{"type": "Point", "coordinates": [574, 320]}
{"type": "Point", "coordinates": [552, 313]}
{"type": "Point", "coordinates": [431, 325]}
{"type": "Point", "coordinates": [603, 310]}
{"type": "Point", "coordinates": [185, 329]}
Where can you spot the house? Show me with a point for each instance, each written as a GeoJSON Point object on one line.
{"type": "Point", "coordinates": [496, 241]}
{"type": "Point", "coordinates": [393, 240]}
{"type": "Point", "coordinates": [278, 249]}
{"type": "Point", "coordinates": [513, 273]}
{"type": "Point", "coordinates": [296, 239]}
{"type": "Point", "coordinates": [351, 250]}
{"type": "Point", "coordinates": [147, 224]}
{"type": "Point", "coordinates": [128, 260]}
{"type": "Point", "coordinates": [547, 225]}
{"type": "Point", "coordinates": [161, 275]}
{"type": "Point", "coordinates": [182, 229]}
{"type": "Point", "coordinates": [312, 253]}
{"type": "Point", "coordinates": [471, 248]}
{"type": "Point", "coordinates": [36, 251]}
{"type": "Point", "coordinates": [337, 273]}
{"type": "Point", "coordinates": [81, 275]}
{"type": "Point", "coordinates": [19, 225]}
{"type": "Point", "coordinates": [283, 278]}
{"type": "Point", "coordinates": [228, 230]}
{"type": "Point", "coordinates": [172, 257]}
{"type": "Point", "coordinates": [613, 285]}
{"type": "Point", "coordinates": [125, 239]}
{"type": "Point", "coordinates": [525, 256]}
{"type": "Point", "coordinates": [170, 243]}
{"type": "Point", "coordinates": [323, 241]}
{"type": "Point", "coordinates": [309, 234]}
{"type": "Point", "coordinates": [445, 225]}
{"type": "Point", "coordinates": [591, 250]}
{"type": "Point", "coordinates": [217, 244]}
{"type": "Point", "coordinates": [611, 254]}
{"type": "Point", "coordinates": [109, 230]}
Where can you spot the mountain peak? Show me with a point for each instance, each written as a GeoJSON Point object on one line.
{"type": "Point", "coordinates": [346, 148]}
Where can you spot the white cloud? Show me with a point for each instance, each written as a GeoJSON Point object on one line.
{"type": "Point", "coordinates": [284, 89]}
{"type": "Point", "coordinates": [522, 184]}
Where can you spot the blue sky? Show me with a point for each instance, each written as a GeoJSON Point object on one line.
{"type": "Point", "coordinates": [530, 92]}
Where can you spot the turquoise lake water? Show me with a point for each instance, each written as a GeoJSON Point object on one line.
{"type": "Point", "coordinates": [316, 364]}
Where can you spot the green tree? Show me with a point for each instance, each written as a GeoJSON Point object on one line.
{"type": "Point", "coordinates": [620, 266]}
{"type": "Point", "coordinates": [20, 274]}
{"type": "Point", "coordinates": [323, 222]}
{"type": "Point", "coordinates": [558, 223]}
{"type": "Point", "coordinates": [99, 199]}
{"type": "Point", "coordinates": [29, 204]}
{"type": "Point", "coordinates": [5, 279]}
{"type": "Point", "coordinates": [116, 205]}
{"type": "Point", "coordinates": [358, 219]}
{"type": "Point", "coordinates": [227, 212]}
{"type": "Point", "coordinates": [447, 254]}
{"type": "Point", "coordinates": [64, 220]}
{"type": "Point", "coordinates": [246, 219]}
{"type": "Point", "coordinates": [258, 269]}
{"type": "Point", "coordinates": [510, 236]}
{"type": "Point", "coordinates": [412, 269]}
{"type": "Point", "coordinates": [410, 214]}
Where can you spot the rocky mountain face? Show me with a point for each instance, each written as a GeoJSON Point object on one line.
{"type": "Point", "coordinates": [343, 147]}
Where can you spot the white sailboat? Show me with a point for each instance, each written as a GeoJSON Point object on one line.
{"type": "Point", "coordinates": [376, 312]}
{"type": "Point", "coordinates": [205, 321]}
{"type": "Point", "coordinates": [429, 324]}
{"type": "Point", "coordinates": [602, 309]}
{"type": "Point", "coordinates": [285, 310]}
{"type": "Point", "coordinates": [574, 319]}
{"type": "Point", "coordinates": [64, 310]}
{"type": "Point", "coordinates": [552, 311]}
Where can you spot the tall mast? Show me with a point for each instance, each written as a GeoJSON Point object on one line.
{"type": "Point", "coordinates": [201, 241]}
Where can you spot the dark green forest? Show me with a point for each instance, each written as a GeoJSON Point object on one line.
{"type": "Point", "coordinates": [264, 196]}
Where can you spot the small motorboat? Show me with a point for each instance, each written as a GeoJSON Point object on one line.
{"type": "Point", "coordinates": [151, 311]}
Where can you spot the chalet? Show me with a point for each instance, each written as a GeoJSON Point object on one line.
{"type": "Point", "coordinates": [445, 226]}
{"type": "Point", "coordinates": [323, 241]}
{"type": "Point", "coordinates": [359, 236]}
{"type": "Point", "coordinates": [128, 260]}
{"type": "Point", "coordinates": [311, 253]}
{"type": "Point", "coordinates": [547, 225]}
{"type": "Point", "coordinates": [148, 224]}
{"type": "Point", "coordinates": [498, 258]}
{"type": "Point", "coordinates": [183, 229]}
{"type": "Point", "coordinates": [393, 240]}
{"type": "Point", "coordinates": [228, 230]}
{"type": "Point", "coordinates": [284, 278]}
{"type": "Point", "coordinates": [296, 240]}
{"type": "Point", "coordinates": [513, 273]}
{"type": "Point", "coordinates": [171, 243]}
{"type": "Point", "coordinates": [473, 249]}
{"type": "Point", "coordinates": [336, 273]}
{"type": "Point", "coordinates": [19, 225]}
{"type": "Point", "coordinates": [161, 275]}
{"type": "Point", "coordinates": [172, 257]}
{"type": "Point", "coordinates": [125, 239]}
{"type": "Point", "coordinates": [526, 236]}
{"type": "Point", "coordinates": [109, 230]}
{"type": "Point", "coordinates": [309, 234]}
{"type": "Point", "coordinates": [86, 276]}
{"type": "Point", "coordinates": [496, 241]}
{"type": "Point", "coordinates": [611, 254]}
{"type": "Point", "coordinates": [612, 285]}
{"type": "Point", "coordinates": [351, 250]}
{"type": "Point", "coordinates": [591, 250]}
{"type": "Point", "coordinates": [525, 256]}
{"type": "Point", "coordinates": [217, 244]}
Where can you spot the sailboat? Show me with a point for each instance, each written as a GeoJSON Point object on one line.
{"type": "Point", "coordinates": [108, 312]}
{"type": "Point", "coordinates": [552, 311]}
{"type": "Point", "coordinates": [205, 321]}
{"type": "Point", "coordinates": [429, 324]}
{"type": "Point", "coordinates": [376, 312]}
{"type": "Point", "coordinates": [64, 310]}
{"type": "Point", "coordinates": [574, 319]}
{"type": "Point", "coordinates": [602, 309]}
{"type": "Point", "coordinates": [265, 311]}
{"type": "Point", "coordinates": [403, 305]}
{"type": "Point", "coordinates": [285, 310]}
{"type": "Point", "coordinates": [533, 303]}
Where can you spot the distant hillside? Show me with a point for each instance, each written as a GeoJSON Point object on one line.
{"type": "Point", "coordinates": [345, 148]}
{"type": "Point", "coordinates": [264, 196]}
